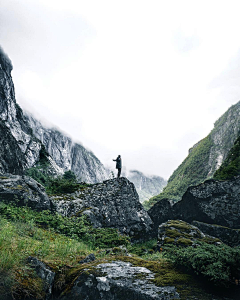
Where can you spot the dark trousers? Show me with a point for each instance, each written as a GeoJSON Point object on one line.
{"type": "Point", "coordinates": [119, 172]}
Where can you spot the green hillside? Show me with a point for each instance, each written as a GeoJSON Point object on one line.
{"type": "Point", "coordinates": [231, 165]}
{"type": "Point", "coordinates": [203, 158]}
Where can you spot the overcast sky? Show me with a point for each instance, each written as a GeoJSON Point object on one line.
{"type": "Point", "coordinates": [144, 79]}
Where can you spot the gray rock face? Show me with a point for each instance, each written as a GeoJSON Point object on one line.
{"type": "Point", "coordinates": [23, 191]}
{"type": "Point", "coordinates": [26, 137]}
{"type": "Point", "coordinates": [113, 203]}
{"type": "Point", "coordinates": [229, 236]}
{"type": "Point", "coordinates": [214, 202]}
{"type": "Point", "coordinates": [67, 154]}
{"type": "Point", "coordinates": [116, 281]}
{"type": "Point", "coordinates": [146, 186]}
{"type": "Point", "coordinates": [160, 213]}
{"type": "Point", "coordinates": [44, 273]}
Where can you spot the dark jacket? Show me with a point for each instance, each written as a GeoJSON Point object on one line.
{"type": "Point", "coordinates": [119, 162]}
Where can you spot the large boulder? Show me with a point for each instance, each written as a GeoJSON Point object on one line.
{"type": "Point", "coordinates": [118, 280]}
{"type": "Point", "coordinates": [180, 233]}
{"type": "Point", "coordinates": [23, 191]}
{"type": "Point", "coordinates": [229, 236]}
{"type": "Point", "coordinates": [160, 213]}
{"type": "Point", "coordinates": [213, 202]}
{"type": "Point", "coordinates": [113, 203]}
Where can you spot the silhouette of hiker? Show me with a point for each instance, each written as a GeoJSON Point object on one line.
{"type": "Point", "coordinates": [118, 165]}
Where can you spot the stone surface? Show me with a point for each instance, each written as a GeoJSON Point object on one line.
{"type": "Point", "coordinates": [214, 202]}
{"type": "Point", "coordinates": [183, 234]}
{"type": "Point", "coordinates": [23, 191]}
{"type": "Point", "coordinates": [113, 203]}
{"type": "Point", "coordinates": [160, 213]}
{"type": "Point", "coordinates": [89, 258]}
{"type": "Point", "coordinates": [229, 236]}
{"type": "Point", "coordinates": [44, 273]}
{"type": "Point", "coordinates": [116, 281]}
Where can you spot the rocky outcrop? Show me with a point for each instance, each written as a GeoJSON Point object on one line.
{"type": "Point", "coordinates": [213, 202]}
{"type": "Point", "coordinates": [113, 203]}
{"type": "Point", "coordinates": [23, 191]}
{"type": "Point", "coordinates": [67, 154]}
{"type": "Point", "coordinates": [160, 213]}
{"type": "Point", "coordinates": [44, 273]}
{"type": "Point", "coordinates": [146, 186]}
{"type": "Point", "coordinates": [182, 234]}
{"type": "Point", "coordinates": [229, 236]}
{"type": "Point", "coordinates": [12, 160]}
{"type": "Point", "coordinates": [118, 280]}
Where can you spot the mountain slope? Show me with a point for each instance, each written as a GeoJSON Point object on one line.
{"type": "Point", "coordinates": [23, 139]}
{"type": "Point", "coordinates": [146, 186]}
{"type": "Point", "coordinates": [231, 165]}
{"type": "Point", "coordinates": [205, 157]}
{"type": "Point", "coordinates": [67, 154]}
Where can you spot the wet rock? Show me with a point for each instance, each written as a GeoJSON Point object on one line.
{"type": "Point", "coordinates": [182, 234]}
{"type": "Point", "coordinates": [113, 203]}
{"type": "Point", "coordinates": [89, 258]}
{"type": "Point", "coordinates": [229, 236]}
{"type": "Point", "coordinates": [116, 281]}
{"type": "Point", "coordinates": [44, 273]}
{"type": "Point", "coordinates": [23, 191]}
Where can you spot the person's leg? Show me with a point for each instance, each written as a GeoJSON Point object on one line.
{"type": "Point", "coordinates": [119, 172]}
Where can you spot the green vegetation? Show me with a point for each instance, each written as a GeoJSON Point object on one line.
{"type": "Point", "coordinates": [74, 227]}
{"type": "Point", "coordinates": [231, 165]}
{"type": "Point", "coordinates": [195, 168]}
{"type": "Point", "coordinates": [192, 171]}
{"type": "Point", "coordinates": [65, 184]}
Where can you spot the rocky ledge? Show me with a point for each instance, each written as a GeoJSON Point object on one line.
{"type": "Point", "coordinates": [118, 280]}
{"type": "Point", "coordinates": [23, 191]}
{"type": "Point", "coordinates": [213, 202]}
{"type": "Point", "coordinates": [113, 203]}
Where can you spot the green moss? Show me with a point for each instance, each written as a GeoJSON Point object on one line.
{"type": "Point", "coordinates": [181, 225]}
{"type": "Point", "coordinates": [168, 240]}
{"type": "Point", "coordinates": [4, 177]}
{"type": "Point", "coordinates": [184, 241]}
{"type": "Point", "coordinates": [172, 233]}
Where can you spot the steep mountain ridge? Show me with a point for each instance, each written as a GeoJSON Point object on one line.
{"type": "Point", "coordinates": [146, 186]}
{"type": "Point", "coordinates": [27, 137]}
{"type": "Point", "coordinates": [205, 157]}
{"type": "Point", "coordinates": [67, 154]}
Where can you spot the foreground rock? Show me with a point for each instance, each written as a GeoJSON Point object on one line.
{"type": "Point", "coordinates": [113, 203]}
{"type": "Point", "coordinates": [23, 191]}
{"type": "Point", "coordinates": [118, 280]}
{"type": "Point", "coordinates": [213, 202]}
{"type": "Point", "coordinates": [183, 234]}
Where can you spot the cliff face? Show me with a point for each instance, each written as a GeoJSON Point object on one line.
{"type": "Point", "coordinates": [205, 157]}
{"type": "Point", "coordinates": [146, 186]}
{"type": "Point", "coordinates": [67, 154]}
{"type": "Point", "coordinates": [25, 144]}
{"type": "Point", "coordinates": [23, 137]}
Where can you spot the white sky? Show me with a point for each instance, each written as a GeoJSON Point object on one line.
{"type": "Point", "coordinates": [144, 79]}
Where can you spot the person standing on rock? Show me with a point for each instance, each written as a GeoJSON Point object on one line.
{"type": "Point", "coordinates": [118, 165]}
